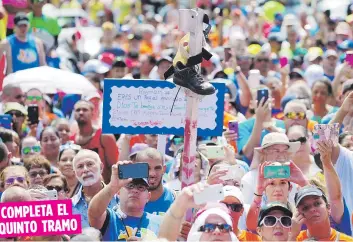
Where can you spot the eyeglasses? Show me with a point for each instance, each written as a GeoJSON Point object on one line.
{"type": "Point", "coordinates": [11, 180]}
{"type": "Point", "coordinates": [139, 187]}
{"type": "Point", "coordinates": [263, 60]}
{"type": "Point", "coordinates": [27, 150]}
{"type": "Point", "coordinates": [294, 115]}
{"type": "Point", "coordinates": [34, 98]}
{"type": "Point", "coordinates": [16, 113]}
{"type": "Point", "coordinates": [57, 188]}
{"type": "Point", "coordinates": [70, 146]}
{"type": "Point", "coordinates": [235, 207]}
{"type": "Point", "coordinates": [210, 228]}
{"type": "Point", "coordinates": [35, 174]}
{"type": "Point", "coordinates": [302, 140]}
{"type": "Point", "coordinates": [271, 221]}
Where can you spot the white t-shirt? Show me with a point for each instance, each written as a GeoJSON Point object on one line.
{"type": "Point", "coordinates": [344, 169]}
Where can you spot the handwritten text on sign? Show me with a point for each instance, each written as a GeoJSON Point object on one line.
{"type": "Point", "coordinates": [38, 218]}
{"type": "Point", "coordinates": [149, 107]}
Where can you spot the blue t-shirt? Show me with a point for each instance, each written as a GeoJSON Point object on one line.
{"type": "Point", "coordinates": [345, 225]}
{"type": "Point", "coordinates": [245, 130]}
{"type": "Point", "coordinates": [329, 77]}
{"type": "Point", "coordinates": [115, 228]}
{"type": "Point", "coordinates": [24, 54]}
{"type": "Point", "coordinates": [162, 204]}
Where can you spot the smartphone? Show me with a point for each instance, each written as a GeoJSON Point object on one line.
{"type": "Point", "coordinates": [262, 93]}
{"type": "Point", "coordinates": [234, 172]}
{"type": "Point", "coordinates": [233, 125]}
{"type": "Point", "coordinates": [227, 53]}
{"type": "Point", "coordinates": [5, 121]}
{"type": "Point", "coordinates": [52, 194]}
{"type": "Point", "coordinates": [213, 193]}
{"type": "Point", "coordinates": [215, 152]}
{"type": "Point", "coordinates": [349, 58]}
{"type": "Point", "coordinates": [277, 171]}
{"type": "Point", "coordinates": [283, 61]}
{"type": "Point", "coordinates": [137, 170]}
{"type": "Point", "coordinates": [33, 114]}
{"type": "Point", "coordinates": [325, 132]}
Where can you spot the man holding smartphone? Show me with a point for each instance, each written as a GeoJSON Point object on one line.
{"type": "Point", "coordinates": [88, 170]}
{"type": "Point", "coordinates": [128, 220]}
{"type": "Point", "coordinates": [161, 197]}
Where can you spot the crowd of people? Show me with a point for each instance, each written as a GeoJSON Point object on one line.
{"type": "Point", "coordinates": [296, 51]}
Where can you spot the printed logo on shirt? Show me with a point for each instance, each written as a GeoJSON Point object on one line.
{"type": "Point", "coordinates": [146, 234]}
{"type": "Point", "coordinates": [27, 56]}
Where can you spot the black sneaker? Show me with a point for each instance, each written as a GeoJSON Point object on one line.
{"type": "Point", "coordinates": [188, 77]}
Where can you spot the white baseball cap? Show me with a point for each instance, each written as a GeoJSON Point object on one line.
{"type": "Point", "coordinates": [233, 191]}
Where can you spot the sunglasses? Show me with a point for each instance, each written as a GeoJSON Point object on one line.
{"type": "Point", "coordinates": [11, 180]}
{"type": "Point", "coordinates": [139, 187]}
{"type": "Point", "coordinates": [210, 228]}
{"type": "Point", "coordinates": [17, 114]}
{"type": "Point", "coordinates": [19, 96]}
{"type": "Point", "coordinates": [302, 140]}
{"type": "Point", "coordinates": [27, 150]}
{"type": "Point", "coordinates": [294, 115]}
{"type": "Point", "coordinates": [35, 174]}
{"type": "Point", "coordinates": [34, 98]}
{"type": "Point", "coordinates": [271, 221]}
{"type": "Point", "coordinates": [70, 146]}
{"type": "Point", "coordinates": [235, 207]}
{"type": "Point", "coordinates": [57, 188]}
{"type": "Point", "coordinates": [263, 60]}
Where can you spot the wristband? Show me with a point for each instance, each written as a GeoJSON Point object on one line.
{"type": "Point", "coordinates": [257, 195]}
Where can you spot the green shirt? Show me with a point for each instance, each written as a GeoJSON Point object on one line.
{"type": "Point", "coordinates": [46, 23]}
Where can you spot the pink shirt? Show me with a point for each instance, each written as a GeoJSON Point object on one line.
{"type": "Point", "coordinates": [17, 4]}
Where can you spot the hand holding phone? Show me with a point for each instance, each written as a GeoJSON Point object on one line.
{"type": "Point", "coordinates": [134, 171]}
{"type": "Point", "coordinates": [215, 152]}
{"type": "Point", "coordinates": [262, 94]}
{"type": "Point", "coordinates": [275, 171]}
{"type": "Point", "coordinates": [233, 125]}
{"type": "Point", "coordinates": [33, 114]}
{"type": "Point", "coordinates": [349, 58]}
{"type": "Point", "coordinates": [283, 61]}
{"type": "Point", "coordinates": [212, 193]}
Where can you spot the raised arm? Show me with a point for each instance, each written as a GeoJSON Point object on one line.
{"type": "Point", "coordinates": [97, 210]}
{"type": "Point", "coordinates": [333, 183]}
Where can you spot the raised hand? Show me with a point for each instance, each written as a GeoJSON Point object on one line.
{"type": "Point", "coordinates": [115, 182]}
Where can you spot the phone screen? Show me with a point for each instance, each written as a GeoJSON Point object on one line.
{"type": "Point", "coordinates": [33, 114]}
{"type": "Point", "coordinates": [138, 170]}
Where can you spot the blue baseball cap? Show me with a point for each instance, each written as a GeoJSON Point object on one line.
{"type": "Point", "coordinates": [278, 17]}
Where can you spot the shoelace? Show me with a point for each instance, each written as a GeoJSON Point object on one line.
{"type": "Point", "coordinates": [194, 72]}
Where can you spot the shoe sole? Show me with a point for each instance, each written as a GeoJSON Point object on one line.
{"type": "Point", "coordinates": [179, 82]}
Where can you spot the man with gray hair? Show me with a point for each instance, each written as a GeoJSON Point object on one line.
{"type": "Point", "coordinates": [16, 194]}
{"type": "Point", "coordinates": [88, 169]}
{"type": "Point", "coordinates": [12, 93]}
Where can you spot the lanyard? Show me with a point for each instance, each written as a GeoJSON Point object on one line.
{"type": "Point", "coordinates": [138, 227]}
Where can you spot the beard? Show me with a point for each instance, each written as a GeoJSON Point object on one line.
{"type": "Point", "coordinates": [153, 188]}
{"type": "Point", "coordinates": [90, 181]}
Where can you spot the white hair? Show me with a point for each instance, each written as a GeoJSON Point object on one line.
{"type": "Point", "coordinates": [84, 154]}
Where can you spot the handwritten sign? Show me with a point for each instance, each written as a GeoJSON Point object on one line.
{"type": "Point", "coordinates": [38, 218]}
{"type": "Point", "coordinates": [146, 107]}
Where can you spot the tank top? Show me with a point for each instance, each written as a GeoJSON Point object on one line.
{"type": "Point", "coordinates": [93, 144]}
{"type": "Point", "coordinates": [24, 54]}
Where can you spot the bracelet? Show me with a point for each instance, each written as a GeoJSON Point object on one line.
{"type": "Point", "coordinates": [257, 195]}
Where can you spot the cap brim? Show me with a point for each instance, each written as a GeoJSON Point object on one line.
{"type": "Point", "coordinates": [141, 180]}
{"type": "Point", "coordinates": [293, 147]}
{"type": "Point", "coordinates": [311, 193]}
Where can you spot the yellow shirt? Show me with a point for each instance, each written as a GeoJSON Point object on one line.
{"type": "Point", "coordinates": [94, 7]}
{"type": "Point", "coordinates": [333, 237]}
{"type": "Point", "coordinates": [247, 236]}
